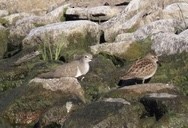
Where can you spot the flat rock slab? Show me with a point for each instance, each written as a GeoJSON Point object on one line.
{"type": "Point", "coordinates": [136, 92]}
{"type": "Point", "coordinates": [99, 13]}
{"type": "Point", "coordinates": [66, 29]}
{"type": "Point", "coordinates": [64, 84]}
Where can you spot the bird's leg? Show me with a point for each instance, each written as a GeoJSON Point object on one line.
{"type": "Point", "coordinates": [82, 78]}
{"type": "Point", "coordinates": [143, 81]}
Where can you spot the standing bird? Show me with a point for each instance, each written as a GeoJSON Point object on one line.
{"type": "Point", "coordinates": [75, 68]}
{"type": "Point", "coordinates": [142, 70]}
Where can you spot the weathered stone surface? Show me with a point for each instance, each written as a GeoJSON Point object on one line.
{"type": "Point", "coordinates": [73, 31]}
{"type": "Point", "coordinates": [117, 48]}
{"type": "Point", "coordinates": [169, 43]}
{"type": "Point", "coordinates": [27, 6]}
{"type": "Point", "coordinates": [131, 19]}
{"type": "Point", "coordinates": [16, 16]}
{"type": "Point", "coordinates": [166, 25]}
{"type": "Point", "coordinates": [96, 115]}
{"type": "Point", "coordinates": [23, 26]}
{"type": "Point", "coordinates": [99, 13]}
{"type": "Point", "coordinates": [128, 49]}
{"type": "Point", "coordinates": [64, 84]}
{"type": "Point", "coordinates": [136, 92]}
{"type": "Point", "coordinates": [39, 96]}
{"type": "Point", "coordinates": [172, 120]}
{"type": "Point", "coordinates": [176, 11]}
{"type": "Point", "coordinates": [3, 41]}
{"type": "Point", "coordinates": [166, 105]}
{"type": "Point", "coordinates": [3, 13]}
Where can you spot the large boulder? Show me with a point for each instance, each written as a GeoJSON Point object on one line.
{"type": "Point", "coordinates": [169, 110]}
{"type": "Point", "coordinates": [136, 92]}
{"type": "Point", "coordinates": [131, 19]}
{"type": "Point", "coordinates": [23, 26]}
{"type": "Point", "coordinates": [169, 43]}
{"type": "Point", "coordinates": [73, 36]}
{"type": "Point", "coordinates": [106, 114]}
{"type": "Point", "coordinates": [166, 25]}
{"type": "Point", "coordinates": [129, 49]}
{"type": "Point", "coordinates": [99, 13]}
{"type": "Point", "coordinates": [39, 96]}
{"type": "Point", "coordinates": [13, 18]}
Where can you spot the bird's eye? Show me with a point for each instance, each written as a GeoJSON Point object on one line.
{"type": "Point", "coordinates": [85, 56]}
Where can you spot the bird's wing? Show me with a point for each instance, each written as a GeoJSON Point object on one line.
{"type": "Point", "coordinates": [136, 69]}
{"type": "Point", "coordinates": [67, 70]}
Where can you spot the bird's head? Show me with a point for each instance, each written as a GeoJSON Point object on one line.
{"type": "Point", "coordinates": [154, 58]}
{"type": "Point", "coordinates": [86, 58]}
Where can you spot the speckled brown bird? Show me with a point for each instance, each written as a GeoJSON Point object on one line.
{"type": "Point", "coordinates": [143, 68]}
{"type": "Point", "coordinates": [75, 68]}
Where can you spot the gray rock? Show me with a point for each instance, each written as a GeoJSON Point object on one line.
{"type": "Point", "coordinates": [117, 48]}
{"type": "Point", "coordinates": [165, 25]}
{"type": "Point", "coordinates": [68, 29]}
{"type": "Point", "coordinates": [176, 11]}
{"type": "Point", "coordinates": [99, 13]}
{"type": "Point", "coordinates": [64, 84]}
{"type": "Point", "coordinates": [130, 18]}
{"type": "Point", "coordinates": [23, 26]}
{"type": "Point", "coordinates": [105, 115]}
{"type": "Point", "coordinates": [3, 13]}
{"type": "Point", "coordinates": [15, 17]}
{"type": "Point", "coordinates": [169, 43]}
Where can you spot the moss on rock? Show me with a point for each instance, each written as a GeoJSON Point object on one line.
{"type": "Point", "coordinates": [173, 70]}
{"type": "Point", "coordinates": [138, 49]}
{"type": "Point", "coordinates": [3, 42]}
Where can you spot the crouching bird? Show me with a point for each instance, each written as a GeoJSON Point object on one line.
{"type": "Point", "coordinates": [75, 68]}
{"type": "Point", "coordinates": [141, 71]}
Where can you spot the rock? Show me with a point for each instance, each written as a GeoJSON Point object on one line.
{"type": "Point", "coordinates": [136, 92]}
{"type": "Point", "coordinates": [3, 41]}
{"type": "Point", "coordinates": [23, 26]}
{"type": "Point", "coordinates": [96, 115]}
{"type": "Point", "coordinates": [162, 105]}
{"type": "Point", "coordinates": [111, 48]}
{"type": "Point", "coordinates": [37, 7]}
{"type": "Point", "coordinates": [176, 11]}
{"type": "Point", "coordinates": [169, 43]}
{"type": "Point", "coordinates": [131, 19]}
{"type": "Point", "coordinates": [38, 98]}
{"type": "Point", "coordinates": [166, 25]}
{"type": "Point", "coordinates": [74, 34]}
{"type": "Point", "coordinates": [128, 49]}
{"type": "Point", "coordinates": [13, 18]}
{"type": "Point", "coordinates": [64, 84]}
{"type": "Point", "coordinates": [58, 114]}
{"type": "Point", "coordinates": [99, 13]}
{"type": "Point", "coordinates": [173, 120]}
{"type": "Point", "coordinates": [88, 3]}
{"type": "Point", "coordinates": [98, 81]}
{"type": "Point", "coordinates": [3, 13]}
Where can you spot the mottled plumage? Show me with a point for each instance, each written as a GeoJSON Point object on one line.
{"type": "Point", "coordinates": [142, 69]}
{"type": "Point", "coordinates": [75, 68]}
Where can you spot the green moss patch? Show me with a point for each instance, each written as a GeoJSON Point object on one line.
{"type": "Point", "coordinates": [174, 70]}
{"type": "Point", "coordinates": [138, 49]}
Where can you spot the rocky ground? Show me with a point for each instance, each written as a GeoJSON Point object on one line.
{"type": "Point", "coordinates": [37, 37]}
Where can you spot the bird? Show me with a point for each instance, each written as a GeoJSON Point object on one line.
{"type": "Point", "coordinates": [74, 68]}
{"type": "Point", "coordinates": [141, 71]}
